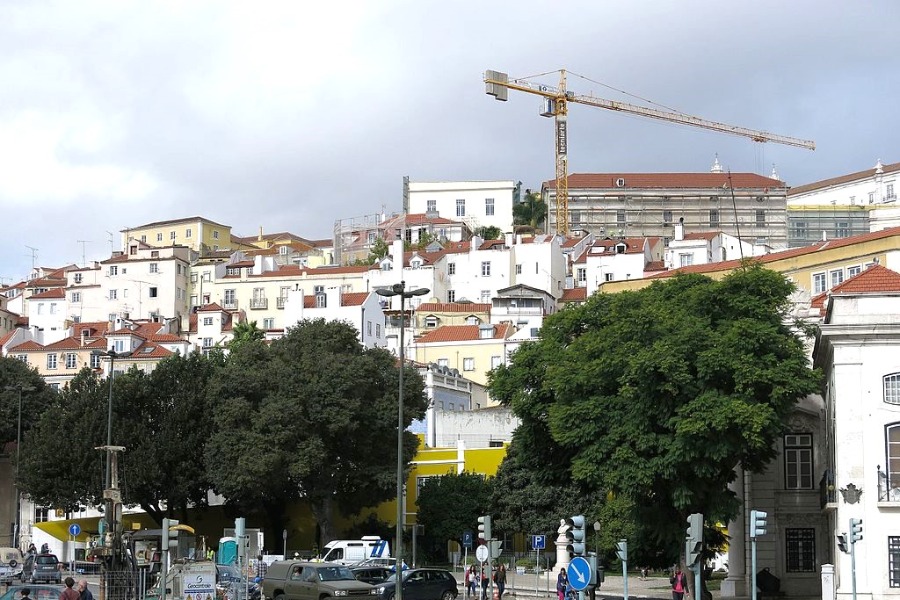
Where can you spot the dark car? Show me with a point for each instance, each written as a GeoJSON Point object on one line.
{"type": "Point", "coordinates": [38, 592]}
{"type": "Point", "coordinates": [421, 584]}
{"type": "Point", "coordinates": [42, 567]}
{"type": "Point", "coordinates": [371, 573]}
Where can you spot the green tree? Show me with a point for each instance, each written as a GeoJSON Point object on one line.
{"type": "Point", "coordinates": [486, 232]}
{"type": "Point", "coordinates": [245, 332]}
{"type": "Point", "coordinates": [313, 416]}
{"type": "Point", "coordinates": [36, 397]}
{"type": "Point", "coordinates": [532, 211]}
{"type": "Point", "coordinates": [451, 504]}
{"type": "Point", "coordinates": [657, 395]}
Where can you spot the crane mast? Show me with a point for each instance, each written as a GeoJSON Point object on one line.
{"type": "Point", "coordinates": [556, 100]}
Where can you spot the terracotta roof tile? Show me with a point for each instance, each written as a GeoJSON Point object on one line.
{"type": "Point", "coordinates": [578, 294]}
{"type": "Point", "coordinates": [809, 187]}
{"type": "Point", "coordinates": [7, 337]}
{"type": "Point", "coordinates": [819, 301]}
{"type": "Point", "coordinates": [353, 298]}
{"type": "Point", "coordinates": [667, 180]}
{"type": "Point", "coordinates": [875, 279]}
{"type": "Point", "coordinates": [212, 307]}
{"type": "Point", "coordinates": [27, 346]}
{"type": "Point", "coordinates": [463, 333]}
{"type": "Point", "coordinates": [654, 265]}
{"type": "Point", "coordinates": [702, 235]}
{"type": "Point", "coordinates": [51, 294]}
{"type": "Point", "coordinates": [455, 307]}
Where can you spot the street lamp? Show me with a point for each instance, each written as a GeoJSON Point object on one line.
{"type": "Point", "coordinates": [112, 354]}
{"type": "Point", "coordinates": [20, 388]}
{"type": "Point", "coordinates": [399, 289]}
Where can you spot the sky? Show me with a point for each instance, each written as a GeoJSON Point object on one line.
{"type": "Point", "coordinates": [291, 115]}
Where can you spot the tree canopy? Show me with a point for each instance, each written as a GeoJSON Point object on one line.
{"type": "Point", "coordinates": [450, 504]}
{"type": "Point", "coordinates": [245, 332]}
{"type": "Point", "coordinates": [653, 397]}
{"type": "Point", "coordinates": [532, 211]}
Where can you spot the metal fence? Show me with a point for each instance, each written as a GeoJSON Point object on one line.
{"type": "Point", "coordinates": [124, 585]}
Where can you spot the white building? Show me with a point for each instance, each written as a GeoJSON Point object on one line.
{"type": "Point", "coordinates": [476, 203]}
{"type": "Point", "coordinates": [700, 248]}
{"type": "Point", "coordinates": [362, 310]}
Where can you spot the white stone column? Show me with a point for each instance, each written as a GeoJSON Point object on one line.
{"type": "Point", "coordinates": [829, 591]}
{"type": "Point", "coordinates": [736, 582]}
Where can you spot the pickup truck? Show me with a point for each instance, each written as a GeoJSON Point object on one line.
{"type": "Point", "coordinates": [299, 580]}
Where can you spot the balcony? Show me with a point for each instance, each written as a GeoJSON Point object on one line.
{"type": "Point", "coordinates": [230, 304]}
{"type": "Point", "coordinates": [279, 302]}
{"type": "Point", "coordinates": [259, 303]}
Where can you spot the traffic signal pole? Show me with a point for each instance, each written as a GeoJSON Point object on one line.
{"type": "Point", "coordinates": [758, 524]}
{"type": "Point", "coordinates": [856, 534]}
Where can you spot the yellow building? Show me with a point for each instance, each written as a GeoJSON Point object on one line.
{"type": "Point", "coordinates": [197, 233]}
{"type": "Point", "coordinates": [473, 350]}
{"type": "Point", "coordinates": [431, 315]}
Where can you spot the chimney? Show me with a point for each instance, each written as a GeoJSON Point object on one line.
{"type": "Point", "coordinates": [260, 234]}
{"type": "Point", "coordinates": [679, 230]}
{"type": "Point", "coordinates": [397, 253]}
{"type": "Point", "coordinates": [475, 243]}
{"type": "Point", "coordinates": [509, 239]}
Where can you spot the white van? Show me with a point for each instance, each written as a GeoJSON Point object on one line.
{"type": "Point", "coordinates": [348, 552]}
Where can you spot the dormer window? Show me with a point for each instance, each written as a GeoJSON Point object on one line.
{"type": "Point", "coordinates": [387, 265]}
{"type": "Point", "coordinates": [416, 263]}
{"type": "Point", "coordinates": [283, 250]}
{"type": "Point", "coordinates": [620, 248]}
{"type": "Point", "coordinates": [473, 320]}
{"type": "Point", "coordinates": [431, 321]}
{"type": "Point", "coordinates": [486, 332]}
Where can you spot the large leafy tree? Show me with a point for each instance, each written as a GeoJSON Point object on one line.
{"type": "Point", "coordinates": [245, 332]}
{"type": "Point", "coordinates": [16, 376]}
{"type": "Point", "coordinates": [655, 396]}
{"type": "Point", "coordinates": [450, 504]}
{"type": "Point", "coordinates": [313, 416]}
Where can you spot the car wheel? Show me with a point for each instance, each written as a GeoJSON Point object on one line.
{"type": "Point", "coordinates": [448, 595]}
{"type": "Point", "coordinates": [392, 597]}
{"type": "Point", "coordinates": [279, 597]}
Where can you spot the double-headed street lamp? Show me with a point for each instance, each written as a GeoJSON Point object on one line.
{"type": "Point", "coordinates": [399, 289]}
{"type": "Point", "coordinates": [20, 388]}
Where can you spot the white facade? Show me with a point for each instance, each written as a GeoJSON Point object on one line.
{"type": "Point", "coordinates": [878, 185]}
{"type": "Point", "coordinates": [476, 203]}
{"type": "Point", "coordinates": [703, 248]}
{"type": "Point", "coordinates": [362, 310]}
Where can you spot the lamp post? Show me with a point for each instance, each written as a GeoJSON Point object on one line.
{"type": "Point", "coordinates": [399, 289]}
{"type": "Point", "coordinates": [20, 388]}
{"type": "Point", "coordinates": [112, 354]}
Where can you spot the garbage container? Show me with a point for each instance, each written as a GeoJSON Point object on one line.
{"type": "Point", "coordinates": [767, 583]}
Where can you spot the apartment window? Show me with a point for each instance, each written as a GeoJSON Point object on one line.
{"type": "Point", "coordinates": [171, 235]}
{"type": "Point", "coordinates": [144, 239]}
{"type": "Point", "coordinates": [620, 217]}
{"type": "Point", "coordinates": [215, 234]}
{"type": "Point", "coordinates": [892, 388]}
{"type": "Point", "coordinates": [41, 514]}
{"type": "Point", "coordinates": [113, 294]}
{"type": "Point", "coordinates": [154, 267]}
{"type": "Point", "coordinates": [485, 296]}
{"type": "Point", "coordinates": [187, 232]}
{"type": "Point", "coordinates": [518, 269]}
{"type": "Point", "coordinates": [889, 191]}
{"type": "Point", "coordinates": [798, 467]}
{"type": "Point", "coordinates": [431, 205]}
{"type": "Point", "coordinates": [451, 268]}
{"type": "Point", "coordinates": [451, 295]}
{"type": "Point", "coordinates": [842, 229]}
{"type": "Point", "coordinates": [667, 217]}
{"type": "Point", "coordinates": [321, 301]}
{"type": "Point", "coordinates": [193, 278]}
{"type": "Point", "coordinates": [368, 327]}
{"type": "Point", "coordinates": [207, 342]}
{"type": "Point", "coordinates": [76, 296]}
{"type": "Point", "coordinates": [893, 561]}
{"type": "Point", "coordinates": [486, 269]}
{"type": "Point", "coordinates": [318, 289]}
{"type": "Point", "coordinates": [431, 321]}
{"type": "Point", "coordinates": [496, 361]}
{"type": "Point", "coordinates": [800, 548]}
{"type": "Point", "coordinates": [77, 277]}
{"type": "Point", "coordinates": [119, 346]}
{"type": "Point", "coordinates": [207, 277]}
{"type": "Point", "coordinates": [114, 270]}
{"type": "Point", "coordinates": [378, 330]}
{"type": "Point", "coordinates": [582, 275]}
{"type": "Point", "coordinates": [837, 276]}
{"type": "Point", "coordinates": [852, 271]}
{"type": "Point", "coordinates": [685, 259]}
{"type": "Point", "coordinates": [714, 218]}
{"type": "Point", "coordinates": [818, 283]}
{"type": "Point", "coordinates": [460, 207]}
{"type": "Point", "coordinates": [468, 364]}
{"type": "Point", "coordinates": [489, 207]}
{"type": "Point", "coordinates": [154, 291]}
{"type": "Point", "coordinates": [575, 217]}
{"type": "Point", "coordinates": [269, 323]}
{"type": "Point", "coordinates": [207, 321]}
{"type": "Point", "coordinates": [159, 237]}
{"type": "Point", "coordinates": [71, 360]}
{"type": "Point", "coordinates": [95, 361]}
{"type": "Point", "coordinates": [22, 357]}
{"type": "Point", "coordinates": [608, 277]}
{"type": "Point", "coordinates": [760, 217]}
{"type": "Point", "coordinates": [442, 362]}
{"type": "Point", "coordinates": [871, 197]}
{"type": "Point", "coordinates": [51, 360]}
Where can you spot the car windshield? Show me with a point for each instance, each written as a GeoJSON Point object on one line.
{"type": "Point", "coordinates": [37, 593]}
{"type": "Point", "coordinates": [335, 573]}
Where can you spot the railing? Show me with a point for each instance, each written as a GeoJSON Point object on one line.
{"type": "Point", "coordinates": [827, 491]}
{"type": "Point", "coordinates": [230, 304]}
{"type": "Point", "coordinates": [257, 303]}
{"type": "Point", "coordinates": [279, 302]}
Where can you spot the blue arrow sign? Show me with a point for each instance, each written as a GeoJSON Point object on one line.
{"type": "Point", "coordinates": [538, 542]}
{"type": "Point", "coordinates": [74, 529]}
{"type": "Point", "coordinates": [579, 573]}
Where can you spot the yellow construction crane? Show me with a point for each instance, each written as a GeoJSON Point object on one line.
{"type": "Point", "coordinates": [556, 100]}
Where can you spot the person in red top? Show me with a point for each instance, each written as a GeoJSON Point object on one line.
{"type": "Point", "coordinates": [679, 584]}
{"type": "Point", "coordinates": [70, 593]}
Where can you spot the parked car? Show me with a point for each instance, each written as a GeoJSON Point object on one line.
{"type": "Point", "coordinates": [12, 561]}
{"type": "Point", "coordinates": [42, 567]}
{"type": "Point", "coordinates": [372, 573]}
{"type": "Point", "coordinates": [38, 592]}
{"type": "Point", "coordinates": [421, 584]}
{"type": "Point", "coordinates": [300, 580]}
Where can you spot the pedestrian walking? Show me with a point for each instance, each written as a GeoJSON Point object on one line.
{"type": "Point", "coordinates": [500, 580]}
{"type": "Point", "coordinates": [470, 582]}
{"type": "Point", "coordinates": [679, 584]}
{"type": "Point", "coordinates": [485, 581]}
{"type": "Point", "coordinates": [84, 591]}
{"type": "Point", "coordinates": [70, 593]}
{"type": "Point", "coordinates": [562, 582]}
{"type": "Point", "coordinates": [261, 567]}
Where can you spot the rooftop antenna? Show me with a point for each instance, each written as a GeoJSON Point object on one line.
{"type": "Point", "coordinates": [110, 234]}
{"type": "Point", "coordinates": [83, 242]}
{"type": "Point", "coordinates": [34, 252]}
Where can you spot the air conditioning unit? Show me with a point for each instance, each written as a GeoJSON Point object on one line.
{"type": "Point", "coordinates": [620, 182]}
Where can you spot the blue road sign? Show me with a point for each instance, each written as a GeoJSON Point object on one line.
{"type": "Point", "coordinates": [579, 573]}
{"type": "Point", "coordinates": [467, 539]}
{"type": "Point", "coordinates": [74, 529]}
{"type": "Point", "coordinates": [538, 542]}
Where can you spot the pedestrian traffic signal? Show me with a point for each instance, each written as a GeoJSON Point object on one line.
{"type": "Point", "coordinates": [694, 542]}
{"type": "Point", "coordinates": [484, 527]}
{"type": "Point", "coordinates": [842, 543]}
{"type": "Point", "coordinates": [856, 530]}
{"type": "Point", "coordinates": [575, 536]}
{"type": "Point", "coordinates": [758, 523]}
{"type": "Point", "coordinates": [622, 550]}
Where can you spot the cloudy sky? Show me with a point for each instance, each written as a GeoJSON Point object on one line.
{"type": "Point", "coordinates": [289, 115]}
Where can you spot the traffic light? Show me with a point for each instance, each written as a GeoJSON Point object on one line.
{"type": "Point", "coordinates": [575, 536]}
{"type": "Point", "coordinates": [842, 543]}
{"type": "Point", "coordinates": [856, 530]}
{"type": "Point", "coordinates": [496, 547]}
{"type": "Point", "coordinates": [484, 527]}
{"type": "Point", "coordinates": [758, 523]}
{"type": "Point", "coordinates": [169, 538]}
{"type": "Point", "coordinates": [622, 550]}
{"type": "Point", "coordinates": [694, 543]}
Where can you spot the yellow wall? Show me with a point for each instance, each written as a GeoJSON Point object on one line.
{"type": "Point", "coordinates": [456, 352]}
{"type": "Point", "coordinates": [202, 231]}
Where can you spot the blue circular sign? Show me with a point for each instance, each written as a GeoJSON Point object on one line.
{"type": "Point", "coordinates": [74, 529]}
{"type": "Point", "coordinates": [579, 573]}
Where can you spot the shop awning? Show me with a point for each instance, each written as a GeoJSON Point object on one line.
{"type": "Point", "coordinates": [90, 526]}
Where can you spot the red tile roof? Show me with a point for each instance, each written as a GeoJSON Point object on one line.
{"type": "Point", "coordinates": [702, 235]}
{"type": "Point", "coordinates": [654, 265]}
{"type": "Point", "coordinates": [212, 307]}
{"type": "Point", "coordinates": [464, 333]}
{"type": "Point", "coordinates": [875, 279]}
{"type": "Point", "coordinates": [27, 346]}
{"type": "Point", "coordinates": [809, 187]}
{"type": "Point", "coordinates": [578, 294]}
{"type": "Point", "coordinates": [353, 298]}
{"type": "Point", "coordinates": [51, 294]}
{"type": "Point", "coordinates": [667, 180]}
{"type": "Point", "coordinates": [456, 307]}
{"type": "Point", "coordinates": [7, 337]}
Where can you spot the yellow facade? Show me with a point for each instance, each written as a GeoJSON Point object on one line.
{"type": "Point", "coordinates": [473, 358]}
{"type": "Point", "coordinates": [196, 233]}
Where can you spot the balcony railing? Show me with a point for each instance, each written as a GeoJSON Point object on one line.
{"type": "Point", "coordinates": [279, 302]}
{"type": "Point", "coordinates": [259, 303]}
{"type": "Point", "coordinates": [230, 304]}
